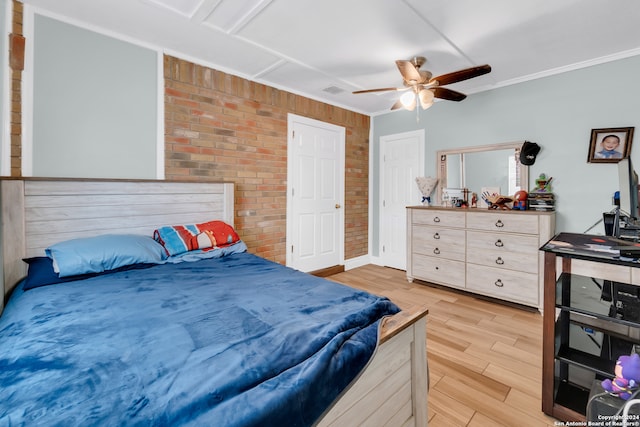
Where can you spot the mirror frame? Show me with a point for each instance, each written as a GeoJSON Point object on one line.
{"type": "Point", "coordinates": [441, 163]}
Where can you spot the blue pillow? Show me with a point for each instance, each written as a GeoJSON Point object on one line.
{"type": "Point", "coordinates": [105, 252]}
{"type": "Point", "coordinates": [40, 273]}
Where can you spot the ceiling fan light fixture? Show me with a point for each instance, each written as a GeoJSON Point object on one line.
{"type": "Point", "coordinates": [426, 98]}
{"type": "Point", "coordinates": [426, 105]}
{"type": "Point", "coordinates": [408, 100]}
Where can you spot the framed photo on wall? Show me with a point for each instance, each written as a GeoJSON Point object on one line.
{"type": "Point", "coordinates": [609, 145]}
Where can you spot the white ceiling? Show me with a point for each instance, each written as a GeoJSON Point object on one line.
{"type": "Point", "coordinates": [315, 48]}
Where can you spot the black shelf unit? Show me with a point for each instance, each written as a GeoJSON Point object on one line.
{"type": "Point", "coordinates": [571, 396]}
{"type": "Point", "coordinates": [585, 360]}
{"type": "Point", "coordinates": [593, 314]}
{"type": "Point", "coordinates": [588, 322]}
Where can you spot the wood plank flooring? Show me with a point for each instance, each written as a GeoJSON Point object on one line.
{"type": "Point", "coordinates": [485, 358]}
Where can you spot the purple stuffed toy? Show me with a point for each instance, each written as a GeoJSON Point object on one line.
{"type": "Point", "coordinates": [627, 377]}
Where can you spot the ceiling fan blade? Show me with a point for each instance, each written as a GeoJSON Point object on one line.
{"type": "Point", "coordinates": [397, 105]}
{"type": "Point", "coordinates": [448, 94]}
{"type": "Point", "coordinates": [409, 72]}
{"type": "Point", "coordinates": [460, 75]}
{"type": "Point", "coordinates": [383, 89]}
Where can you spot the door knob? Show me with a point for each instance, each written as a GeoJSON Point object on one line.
{"type": "Point", "coordinates": [337, 206]}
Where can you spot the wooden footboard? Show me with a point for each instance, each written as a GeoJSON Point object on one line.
{"type": "Point", "coordinates": [392, 390]}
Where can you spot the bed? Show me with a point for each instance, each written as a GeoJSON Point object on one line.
{"type": "Point", "coordinates": [221, 337]}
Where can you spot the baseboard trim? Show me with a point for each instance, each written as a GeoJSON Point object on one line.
{"type": "Point", "coordinates": [348, 265]}
{"type": "Point", "coordinates": [357, 262]}
{"type": "Point", "coordinates": [324, 272]}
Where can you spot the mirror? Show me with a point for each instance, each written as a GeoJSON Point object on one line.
{"type": "Point", "coordinates": [495, 167]}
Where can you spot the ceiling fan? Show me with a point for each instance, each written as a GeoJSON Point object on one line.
{"type": "Point", "coordinates": [423, 87]}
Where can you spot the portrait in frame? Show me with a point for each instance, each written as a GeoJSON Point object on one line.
{"type": "Point", "coordinates": [610, 145]}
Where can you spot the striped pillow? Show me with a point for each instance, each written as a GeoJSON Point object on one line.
{"type": "Point", "coordinates": [178, 239]}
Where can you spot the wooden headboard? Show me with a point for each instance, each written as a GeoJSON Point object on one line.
{"type": "Point", "coordinates": [37, 212]}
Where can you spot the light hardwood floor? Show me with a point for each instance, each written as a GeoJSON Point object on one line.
{"type": "Point", "coordinates": [485, 358]}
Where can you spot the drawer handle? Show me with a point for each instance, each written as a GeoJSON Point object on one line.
{"type": "Point", "coordinates": [499, 223]}
{"type": "Point", "coordinates": [436, 219]}
{"type": "Point", "coordinates": [436, 251]}
{"type": "Point", "coordinates": [436, 236]}
{"type": "Point", "coordinates": [499, 243]}
{"type": "Point", "coordinates": [499, 261]}
{"type": "Point", "coordinates": [498, 283]}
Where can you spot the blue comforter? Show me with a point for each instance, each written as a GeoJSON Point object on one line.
{"type": "Point", "coordinates": [234, 341]}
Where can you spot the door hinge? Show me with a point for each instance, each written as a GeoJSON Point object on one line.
{"type": "Point", "coordinates": [293, 134]}
{"type": "Point", "coordinates": [383, 248]}
{"type": "Point", "coordinates": [291, 248]}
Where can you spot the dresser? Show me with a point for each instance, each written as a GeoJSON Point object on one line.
{"type": "Point", "coordinates": [487, 252]}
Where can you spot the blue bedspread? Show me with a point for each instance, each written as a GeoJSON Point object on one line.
{"type": "Point", "coordinates": [234, 341]}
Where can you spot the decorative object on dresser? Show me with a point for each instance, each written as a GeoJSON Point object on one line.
{"type": "Point", "coordinates": [487, 193]}
{"type": "Point", "coordinates": [454, 197]}
{"type": "Point", "coordinates": [520, 200]}
{"type": "Point", "coordinates": [480, 251]}
{"type": "Point", "coordinates": [498, 201]}
{"type": "Point", "coordinates": [426, 185]}
{"type": "Point", "coordinates": [541, 198]}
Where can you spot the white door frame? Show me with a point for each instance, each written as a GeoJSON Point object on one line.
{"type": "Point", "coordinates": [420, 134]}
{"type": "Point", "coordinates": [291, 119]}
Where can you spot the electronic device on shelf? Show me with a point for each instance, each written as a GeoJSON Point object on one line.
{"type": "Point", "coordinates": [624, 221]}
{"type": "Point", "coordinates": [611, 222]}
{"type": "Point", "coordinates": [628, 251]}
{"type": "Point", "coordinates": [628, 180]}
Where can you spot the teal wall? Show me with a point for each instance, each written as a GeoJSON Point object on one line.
{"type": "Point", "coordinates": [94, 104]}
{"type": "Point", "coordinates": [557, 112]}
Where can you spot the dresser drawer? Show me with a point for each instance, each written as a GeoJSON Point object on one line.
{"type": "Point", "coordinates": [440, 242]}
{"type": "Point", "coordinates": [448, 218]}
{"type": "Point", "coordinates": [504, 284]}
{"type": "Point", "coordinates": [510, 223]}
{"type": "Point", "coordinates": [503, 250]}
{"type": "Point", "coordinates": [437, 270]}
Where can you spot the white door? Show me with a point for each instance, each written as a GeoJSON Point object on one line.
{"type": "Point", "coordinates": [315, 194]}
{"type": "Point", "coordinates": [402, 160]}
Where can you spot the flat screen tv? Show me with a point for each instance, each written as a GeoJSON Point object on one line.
{"type": "Point", "coordinates": [628, 191]}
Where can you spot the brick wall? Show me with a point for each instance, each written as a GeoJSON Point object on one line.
{"type": "Point", "coordinates": [222, 127]}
